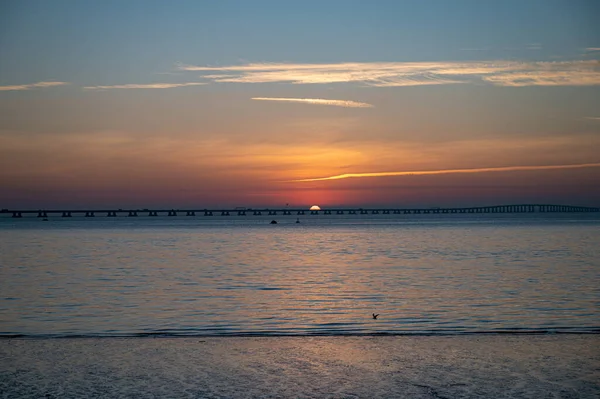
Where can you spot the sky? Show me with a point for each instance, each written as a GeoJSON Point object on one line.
{"type": "Point", "coordinates": [199, 104]}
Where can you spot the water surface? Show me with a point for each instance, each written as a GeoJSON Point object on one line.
{"type": "Point", "coordinates": [234, 276]}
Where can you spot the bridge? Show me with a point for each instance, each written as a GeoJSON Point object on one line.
{"type": "Point", "coordinates": [528, 208]}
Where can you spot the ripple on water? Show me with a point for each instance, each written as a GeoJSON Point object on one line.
{"type": "Point", "coordinates": [327, 279]}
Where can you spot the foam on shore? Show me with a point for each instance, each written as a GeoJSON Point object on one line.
{"type": "Point", "coordinates": [498, 366]}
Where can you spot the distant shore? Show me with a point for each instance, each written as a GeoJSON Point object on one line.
{"type": "Point", "coordinates": [510, 366]}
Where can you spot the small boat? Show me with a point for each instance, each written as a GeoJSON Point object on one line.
{"type": "Point", "coordinates": [273, 222]}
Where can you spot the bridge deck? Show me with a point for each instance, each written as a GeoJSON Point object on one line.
{"type": "Point", "coordinates": [526, 208]}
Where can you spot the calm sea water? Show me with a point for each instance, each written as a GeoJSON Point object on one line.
{"type": "Point", "coordinates": [444, 274]}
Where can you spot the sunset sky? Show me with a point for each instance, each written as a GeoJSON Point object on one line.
{"type": "Point", "coordinates": [265, 103]}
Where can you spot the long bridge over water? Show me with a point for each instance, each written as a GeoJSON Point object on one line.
{"type": "Point", "coordinates": [527, 208]}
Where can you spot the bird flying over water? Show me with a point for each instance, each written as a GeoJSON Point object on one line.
{"type": "Point", "coordinates": [375, 315]}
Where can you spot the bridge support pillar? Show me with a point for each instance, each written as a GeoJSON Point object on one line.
{"type": "Point", "coordinates": [17, 215]}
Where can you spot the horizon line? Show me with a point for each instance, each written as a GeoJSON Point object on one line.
{"type": "Point", "coordinates": [278, 208]}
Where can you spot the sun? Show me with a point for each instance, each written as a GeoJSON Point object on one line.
{"type": "Point", "coordinates": [315, 208]}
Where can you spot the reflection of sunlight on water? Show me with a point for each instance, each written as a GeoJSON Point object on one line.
{"type": "Point", "coordinates": [321, 279]}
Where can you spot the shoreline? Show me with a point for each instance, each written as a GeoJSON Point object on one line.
{"type": "Point", "coordinates": [262, 334]}
{"type": "Point", "coordinates": [423, 366]}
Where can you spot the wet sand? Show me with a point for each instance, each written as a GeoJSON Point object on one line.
{"type": "Point", "coordinates": [470, 366]}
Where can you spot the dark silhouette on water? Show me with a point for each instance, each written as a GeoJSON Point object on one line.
{"type": "Point", "coordinates": [297, 220]}
{"type": "Point", "coordinates": [375, 316]}
{"type": "Point", "coordinates": [273, 222]}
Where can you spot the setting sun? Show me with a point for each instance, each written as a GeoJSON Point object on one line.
{"type": "Point", "coordinates": [315, 208]}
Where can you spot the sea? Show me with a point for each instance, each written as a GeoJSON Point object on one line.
{"type": "Point", "coordinates": [443, 274]}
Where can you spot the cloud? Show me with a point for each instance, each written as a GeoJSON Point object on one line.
{"type": "Point", "coordinates": [533, 46]}
{"type": "Point", "coordinates": [32, 86]}
{"type": "Point", "coordinates": [594, 118]}
{"type": "Point", "coordinates": [390, 74]}
{"type": "Point", "coordinates": [146, 86]}
{"type": "Point", "coordinates": [547, 78]}
{"type": "Point", "coordinates": [592, 49]}
{"type": "Point", "coordinates": [318, 101]}
{"type": "Point", "coordinates": [450, 171]}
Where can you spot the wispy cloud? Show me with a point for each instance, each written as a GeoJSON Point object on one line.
{"type": "Point", "coordinates": [594, 118]}
{"type": "Point", "coordinates": [450, 171]}
{"type": "Point", "coordinates": [32, 86]}
{"type": "Point", "coordinates": [146, 86]}
{"type": "Point", "coordinates": [475, 49]}
{"type": "Point", "coordinates": [592, 49]}
{"type": "Point", "coordinates": [533, 46]}
{"type": "Point", "coordinates": [318, 101]}
{"type": "Point", "coordinates": [386, 74]}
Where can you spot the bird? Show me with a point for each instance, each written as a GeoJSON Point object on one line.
{"type": "Point", "coordinates": [375, 316]}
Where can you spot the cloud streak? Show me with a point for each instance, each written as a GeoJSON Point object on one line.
{"type": "Point", "coordinates": [318, 101]}
{"type": "Point", "coordinates": [390, 74]}
{"type": "Point", "coordinates": [450, 171]}
{"type": "Point", "coordinates": [32, 86]}
{"type": "Point", "coordinates": [145, 86]}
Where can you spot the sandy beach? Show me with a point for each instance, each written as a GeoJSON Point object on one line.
{"type": "Point", "coordinates": [494, 366]}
